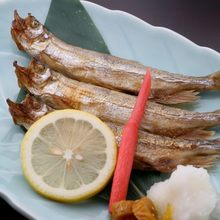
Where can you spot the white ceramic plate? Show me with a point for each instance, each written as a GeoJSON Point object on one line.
{"type": "Point", "coordinates": [126, 36]}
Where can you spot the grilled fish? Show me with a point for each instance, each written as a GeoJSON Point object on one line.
{"type": "Point", "coordinates": [60, 92]}
{"type": "Point", "coordinates": [153, 152]}
{"type": "Point", "coordinates": [103, 69]}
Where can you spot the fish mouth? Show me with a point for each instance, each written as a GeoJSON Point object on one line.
{"type": "Point", "coordinates": [15, 110]}
{"type": "Point", "coordinates": [17, 29]}
{"type": "Point", "coordinates": [20, 69]}
{"type": "Point", "coordinates": [22, 112]}
{"type": "Point", "coordinates": [22, 75]}
{"type": "Point", "coordinates": [18, 24]}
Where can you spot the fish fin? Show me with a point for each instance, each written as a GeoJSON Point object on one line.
{"type": "Point", "coordinates": [204, 161]}
{"type": "Point", "coordinates": [180, 97]}
{"type": "Point", "coordinates": [216, 79]}
{"type": "Point", "coordinates": [199, 158]}
{"type": "Point", "coordinates": [198, 134]}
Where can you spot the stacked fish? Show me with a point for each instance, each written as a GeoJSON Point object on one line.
{"type": "Point", "coordinates": [62, 76]}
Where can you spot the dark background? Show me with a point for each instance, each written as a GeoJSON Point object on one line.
{"type": "Point", "coordinates": [197, 20]}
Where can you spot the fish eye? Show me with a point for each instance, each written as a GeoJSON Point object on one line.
{"type": "Point", "coordinates": [39, 68]}
{"type": "Point", "coordinates": [35, 24]}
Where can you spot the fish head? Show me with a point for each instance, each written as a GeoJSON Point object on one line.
{"type": "Point", "coordinates": [28, 111]}
{"type": "Point", "coordinates": [18, 113]}
{"type": "Point", "coordinates": [29, 34]}
{"type": "Point", "coordinates": [36, 74]}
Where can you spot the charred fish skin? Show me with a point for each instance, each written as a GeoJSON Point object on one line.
{"type": "Point", "coordinates": [153, 152]}
{"type": "Point", "coordinates": [105, 70]}
{"type": "Point", "coordinates": [60, 92]}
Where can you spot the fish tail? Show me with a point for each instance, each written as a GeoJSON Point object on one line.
{"type": "Point", "coordinates": [216, 80]}
{"type": "Point", "coordinates": [186, 96]}
{"type": "Point", "coordinates": [204, 161]}
{"type": "Point", "coordinates": [201, 157]}
{"type": "Point", "coordinates": [198, 134]}
{"type": "Point", "coordinates": [204, 155]}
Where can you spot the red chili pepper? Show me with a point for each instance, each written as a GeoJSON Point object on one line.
{"type": "Point", "coordinates": [128, 145]}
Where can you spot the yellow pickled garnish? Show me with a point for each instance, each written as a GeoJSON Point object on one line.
{"type": "Point", "coordinates": [168, 215]}
{"type": "Point", "coordinates": [122, 210]}
{"type": "Point", "coordinates": [144, 209]}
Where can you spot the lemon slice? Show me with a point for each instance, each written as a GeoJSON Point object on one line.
{"type": "Point", "coordinates": [68, 155]}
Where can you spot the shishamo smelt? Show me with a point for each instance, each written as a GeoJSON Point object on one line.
{"type": "Point", "coordinates": [153, 152]}
{"type": "Point", "coordinates": [60, 92]}
{"type": "Point", "coordinates": [103, 69]}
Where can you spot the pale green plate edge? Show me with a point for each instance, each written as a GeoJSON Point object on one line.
{"type": "Point", "coordinates": [126, 36]}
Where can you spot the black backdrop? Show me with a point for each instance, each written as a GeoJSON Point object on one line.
{"type": "Point", "coordinates": [197, 20]}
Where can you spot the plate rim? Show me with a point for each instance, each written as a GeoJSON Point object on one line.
{"type": "Point", "coordinates": [5, 194]}
{"type": "Point", "coordinates": [155, 27]}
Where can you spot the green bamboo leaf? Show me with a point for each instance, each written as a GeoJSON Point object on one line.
{"type": "Point", "coordinates": [140, 182]}
{"type": "Point", "coordinates": [69, 21]}
{"type": "Point", "coordinates": [22, 93]}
